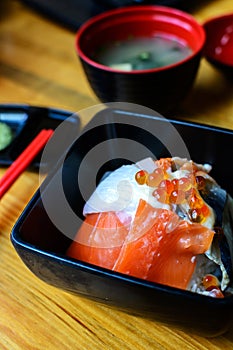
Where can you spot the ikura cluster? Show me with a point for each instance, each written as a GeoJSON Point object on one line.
{"type": "Point", "coordinates": [184, 190]}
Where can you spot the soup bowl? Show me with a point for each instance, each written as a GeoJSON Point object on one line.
{"type": "Point", "coordinates": [218, 49]}
{"type": "Point", "coordinates": [161, 87]}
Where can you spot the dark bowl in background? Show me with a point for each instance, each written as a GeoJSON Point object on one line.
{"type": "Point", "coordinates": [73, 13]}
{"type": "Point", "coordinates": [42, 246]}
{"type": "Point", "coordinates": [218, 48]}
{"type": "Point", "coordinates": [162, 88]}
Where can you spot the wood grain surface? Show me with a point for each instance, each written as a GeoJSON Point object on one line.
{"type": "Point", "coordinates": [38, 66]}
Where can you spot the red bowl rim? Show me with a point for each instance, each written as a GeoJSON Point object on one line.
{"type": "Point", "coordinates": [136, 9]}
{"type": "Point", "coordinates": [218, 18]}
{"type": "Point", "coordinates": [211, 21]}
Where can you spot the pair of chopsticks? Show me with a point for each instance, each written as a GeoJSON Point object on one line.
{"type": "Point", "coordinates": [24, 159]}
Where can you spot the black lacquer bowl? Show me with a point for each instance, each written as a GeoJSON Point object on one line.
{"type": "Point", "coordinates": [42, 246]}
{"type": "Point", "coordinates": [161, 87]}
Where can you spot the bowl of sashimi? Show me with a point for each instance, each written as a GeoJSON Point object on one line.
{"type": "Point", "coordinates": [153, 237]}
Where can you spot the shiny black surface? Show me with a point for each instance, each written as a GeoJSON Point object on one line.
{"type": "Point", "coordinates": [42, 246]}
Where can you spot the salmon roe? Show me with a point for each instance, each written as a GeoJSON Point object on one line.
{"type": "Point", "coordinates": [141, 177]}
{"type": "Point", "coordinates": [210, 280]}
{"type": "Point", "coordinates": [167, 186]}
{"type": "Point", "coordinates": [212, 285]}
{"type": "Point", "coordinates": [161, 195]}
{"type": "Point", "coordinates": [155, 178]}
{"type": "Point", "coordinates": [177, 191]}
{"type": "Point", "coordinates": [184, 183]}
{"type": "Point", "coordinates": [177, 197]}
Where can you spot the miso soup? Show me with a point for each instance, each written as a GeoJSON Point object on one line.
{"type": "Point", "coordinates": [142, 53]}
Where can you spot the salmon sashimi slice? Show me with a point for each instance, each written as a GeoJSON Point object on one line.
{"type": "Point", "coordinates": [175, 261]}
{"type": "Point", "coordinates": [166, 250]}
{"type": "Point", "coordinates": [142, 241]}
{"type": "Point", "coordinates": [159, 246]}
{"type": "Point", "coordinates": [99, 240]}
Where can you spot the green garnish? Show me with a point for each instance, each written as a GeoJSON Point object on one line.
{"type": "Point", "coordinates": [144, 56]}
{"type": "Point", "coordinates": [6, 136]}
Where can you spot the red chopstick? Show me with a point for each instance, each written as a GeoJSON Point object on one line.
{"type": "Point", "coordinates": [24, 159]}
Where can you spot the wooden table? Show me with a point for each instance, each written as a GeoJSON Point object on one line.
{"type": "Point", "coordinates": [38, 66]}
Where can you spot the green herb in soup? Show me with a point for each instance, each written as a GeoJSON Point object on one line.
{"type": "Point", "coordinates": [142, 53]}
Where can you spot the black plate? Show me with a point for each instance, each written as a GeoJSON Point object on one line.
{"type": "Point", "coordinates": [73, 13]}
{"type": "Point", "coordinates": [25, 122]}
{"type": "Point", "coordinates": [42, 246]}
